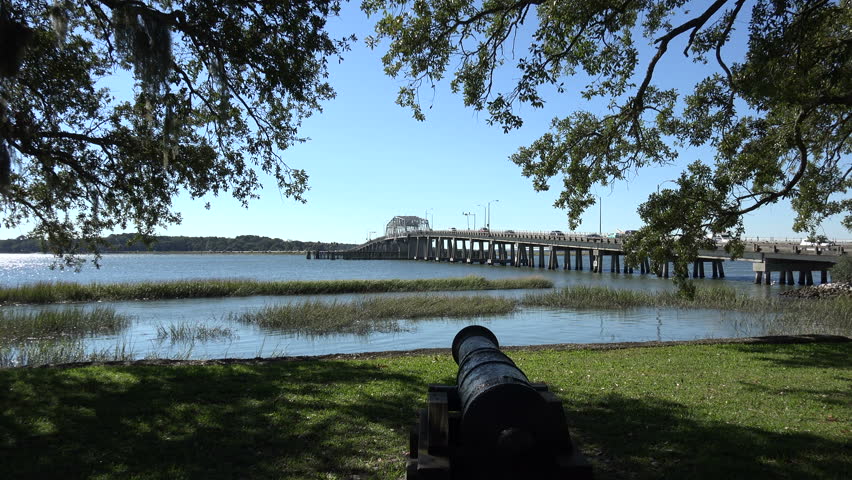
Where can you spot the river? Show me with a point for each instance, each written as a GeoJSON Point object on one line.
{"type": "Point", "coordinates": [529, 326]}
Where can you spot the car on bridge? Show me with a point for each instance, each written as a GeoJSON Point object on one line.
{"type": "Point", "coordinates": [484, 230]}
{"type": "Point", "coordinates": [820, 242]}
{"type": "Point", "coordinates": [721, 238]}
{"type": "Point", "coordinates": [557, 233]}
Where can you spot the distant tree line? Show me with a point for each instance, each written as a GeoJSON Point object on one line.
{"type": "Point", "coordinates": [131, 243]}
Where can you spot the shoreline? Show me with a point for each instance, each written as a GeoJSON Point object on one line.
{"type": "Point", "coordinates": [769, 339]}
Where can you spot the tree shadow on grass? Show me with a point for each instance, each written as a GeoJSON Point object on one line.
{"type": "Point", "coordinates": [287, 420]}
{"type": "Point", "coordinates": [629, 438]}
{"type": "Point", "coordinates": [834, 354]}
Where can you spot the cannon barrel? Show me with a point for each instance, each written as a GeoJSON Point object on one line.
{"type": "Point", "coordinates": [500, 408]}
{"type": "Point", "coordinates": [494, 423]}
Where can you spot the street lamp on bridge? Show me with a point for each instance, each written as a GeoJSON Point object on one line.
{"type": "Point", "coordinates": [468, 215]}
{"type": "Point", "coordinates": [488, 222]}
{"type": "Point", "coordinates": [484, 215]}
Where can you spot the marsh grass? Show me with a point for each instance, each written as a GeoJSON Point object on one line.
{"type": "Point", "coordinates": [54, 351]}
{"type": "Point", "coordinates": [773, 315]}
{"type": "Point", "coordinates": [192, 332]}
{"type": "Point", "coordinates": [371, 315]}
{"type": "Point", "coordinates": [42, 293]}
{"type": "Point", "coordinates": [829, 316]}
{"type": "Point", "coordinates": [74, 322]}
{"type": "Point", "coordinates": [581, 296]}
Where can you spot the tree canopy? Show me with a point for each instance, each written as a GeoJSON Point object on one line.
{"type": "Point", "coordinates": [219, 90]}
{"type": "Point", "coordinates": [777, 116]}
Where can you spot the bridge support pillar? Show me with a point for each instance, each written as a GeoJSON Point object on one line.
{"type": "Point", "coordinates": [823, 276]}
{"type": "Point", "coordinates": [541, 256]}
{"type": "Point", "coordinates": [578, 259]}
{"type": "Point", "coordinates": [566, 259]}
{"type": "Point", "coordinates": [758, 278]}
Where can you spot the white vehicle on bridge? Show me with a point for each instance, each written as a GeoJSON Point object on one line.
{"type": "Point", "coordinates": [721, 238]}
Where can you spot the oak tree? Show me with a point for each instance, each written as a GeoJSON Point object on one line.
{"type": "Point", "coordinates": [111, 108]}
{"type": "Point", "coordinates": [776, 116]}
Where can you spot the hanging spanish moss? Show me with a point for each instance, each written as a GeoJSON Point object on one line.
{"type": "Point", "coordinates": [59, 20]}
{"type": "Point", "coordinates": [146, 42]}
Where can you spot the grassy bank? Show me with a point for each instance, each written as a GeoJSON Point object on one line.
{"type": "Point", "coordinates": [372, 315]}
{"type": "Point", "coordinates": [41, 293]}
{"type": "Point", "coordinates": [701, 412]}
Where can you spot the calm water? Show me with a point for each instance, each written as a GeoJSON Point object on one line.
{"type": "Point", "coordinates": [527, 327]}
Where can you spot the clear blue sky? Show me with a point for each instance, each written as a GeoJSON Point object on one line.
{"type": "Point", "coordinates": [369, 160]}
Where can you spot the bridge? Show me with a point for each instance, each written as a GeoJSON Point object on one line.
{"type": "Point", "coordinates": [543, 250]}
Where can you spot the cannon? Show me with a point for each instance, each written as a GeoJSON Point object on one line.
{"type": "Point", "coordinates": [493, 423]}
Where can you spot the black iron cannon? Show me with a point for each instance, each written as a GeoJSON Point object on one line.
{"type": "Point", "coordinates": [493, 424]}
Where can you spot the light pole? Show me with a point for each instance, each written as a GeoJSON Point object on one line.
{"type": "Point", "coordinates": [467, 217]}
{"type": "Point", "coordinates": [489, 214]}
{"type": "Point", "coordinates": [600, 215]}
{"type": "Point", "coordinates": [370, 236]}
{"type": "Point", "coordinates": [484, 214]}
{"type": "Point", "coordinates": [664, 181]}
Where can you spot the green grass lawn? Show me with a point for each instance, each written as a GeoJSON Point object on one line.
{"type": "Point", "coordinates": [695, 411]}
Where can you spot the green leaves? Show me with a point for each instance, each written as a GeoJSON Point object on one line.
{"type": "Point", "coordinates": [777, 119]}
{"type": "Point", "coordinates": [221, 90]}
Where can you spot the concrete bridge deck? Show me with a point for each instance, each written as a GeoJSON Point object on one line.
{"type": "Point", "coordinates": [518, 248]}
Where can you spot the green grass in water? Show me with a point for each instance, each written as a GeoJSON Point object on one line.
{"type": "Point", "coordinates": [41, 293]}
{"type": "Point", "coordinates": [52, 351]}
{"type": "Point", "coordinates": [191, 332]}
{"type": "Point", "coordinates": [774, 315]}
{"type": "Point", "coordinates": [73, 322]}
{"type": "Point", "coordinates": [697, 412]}
{"type": "Point", "coordinates": [371, 315]}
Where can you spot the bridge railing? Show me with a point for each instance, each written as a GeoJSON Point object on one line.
{"type": "Point", "coordinates": [752, 244]}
